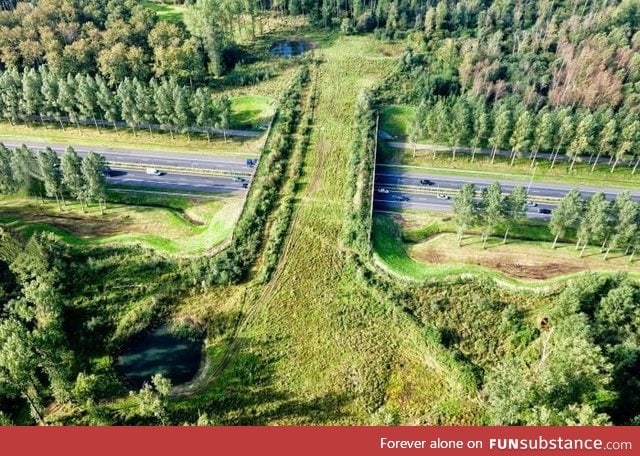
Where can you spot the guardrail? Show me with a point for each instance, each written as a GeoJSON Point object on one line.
{"type": "Point", "coordinates": [181, 170]}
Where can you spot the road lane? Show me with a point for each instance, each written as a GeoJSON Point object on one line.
{"type": "Point", "coordinates": [176, 181]}
{"type": "Point", "coordinates": [146, 157]}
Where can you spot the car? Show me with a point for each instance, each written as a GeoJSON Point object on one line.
{"type": "Point", "coordinates": [251, 162]}
{"type": "Point", "coordinates": [426, 182]}
{"type": "Point", "coordinates": [532, 204]}
{"type": "Point", "coordinates": [400, 198]}
{"type": "Point", "coordinates": [544, 210]}
{"type": "Point", "coordinates": [238, 179]}
{"type": "Point", "coordinates": [153, 172]}
{"type": "Point", "coordinates": [442, 196]}
{"type": "Point", "coordinates": [382, 190]}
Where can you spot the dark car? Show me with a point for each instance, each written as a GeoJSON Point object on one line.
{"type": "Point", "coordinates": [427, 182]}
{"type": "Point", "coordinates": [543, 210]}
{"type": "Point", "coordinates": [245, 185]}
{"type": "Point", "coordinates": [251, 162]}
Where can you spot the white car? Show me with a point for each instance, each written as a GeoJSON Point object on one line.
{"type": "Point", "coordinates": [153, 172]}
{"type": "Point", "coordinates": [442, 196]}
{"type": "Point", "coordinates": [532, 204]}
{"type": "Point", "coordinates": [382, 190]}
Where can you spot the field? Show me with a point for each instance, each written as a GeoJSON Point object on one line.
{"type": "Point", "coordinates": [424, 246]}
{"type": "Point", "coordinates": [252, 111]}
{"type": "Point", "coordinates": [183, 226]}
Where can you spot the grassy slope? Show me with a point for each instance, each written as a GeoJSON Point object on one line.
{"type": "Point", "coordinates": [165, 230]}
{"type": "Point", "coordinates": [329, 350]}
{"type": "Point", "coordinates": [251, 111]}
{"type": "Point", "coordinates": [170, 13]}
{"type": "Point", "coordinates": [413, 261]}
{"type": "Point", "coordinates": [124, 139]}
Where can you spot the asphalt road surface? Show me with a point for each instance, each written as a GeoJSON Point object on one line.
{"type": "Point", "coordinates": [153, 160]}
{"type": "Point", "coordinates": [176, 181]}
{"type": "Point", "coordinates": [411, 195]}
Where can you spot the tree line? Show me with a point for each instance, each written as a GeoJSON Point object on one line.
{"type": "Point", "coordinates": [83, 98]}
{"type": "Point", "coordinates": [596, 221]}
{"type": "Point", "coordinates": [471, 121]}
{"type": "Point", "coordinates": [46, 173]}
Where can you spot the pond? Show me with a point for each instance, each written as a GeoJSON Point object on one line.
{"type": "Point", "coordinates": [290, 48]}
{"type": "Point", "coordinates": [160, 351]}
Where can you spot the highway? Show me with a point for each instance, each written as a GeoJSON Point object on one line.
{"type": "Point", "coordinates": [155, 160]}
{"type": "Point", "coordinates": [406, 191]}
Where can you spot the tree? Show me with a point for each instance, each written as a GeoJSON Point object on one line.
{"type": "Point", "coordinates": [627, 227]}
{"type": "Point", "coordinates": [493, 210]}
{"type": "Point", "coordinates": [583, 140]}
{"type": "Point", "coordinates": [107, 101]}
{"type": "Point", "coordinates": [607, 140]}
{"type": "Point", "coordinates": [163, 99]}
{"type": "Point", "coordinates": [501, 130]}
{"type": "Point", "coordinates": [151, 399]}
{"type": "Point", "coordinates": [464, 209]}
{"type": "Point", "coordinates": [87, 98]}
{"type": "Point", "coordinates": [224, 114]}
{"type": "Point", "coordinates": [566, 215]}
{"type": "Point", "coordinates": [201, 107]}
{"type": "Point", "coordinates": [522, 135]}
{"type": "Point", "coordinates": [144, 102]}
{"type": "Point", "coordinates": [31, 103]}
{"type": "Point", "coordinates": [461, 125]}
{"type": "Point", "coordinates": [50, 92]}
{"type": "Point", "coordinates": [544, 134]}
{"type": "Point", "coordinates": [7, 182]}
{"type": "Point", "coordinates": [128, 108]}
{"type": "Point", "coordinates": [481, 127]}
{"type": "Point", "coordinates": [23, 167]}
{"type": "Point", "coordinates": [595, 224]}
{"type": "Point", "coordinates": [72, 176]}
{"type": "Point", "coordinates": [94, 179]}
{"type": "Point", "coordinates": [67, 98]}
{"type": "Point", "coordinates": [417, 129]}
{"type": "Point", "coordinates": [564, 120]}
{"type": "Point", "coordinates": [49, 164]}
{"type": "Point", "coordinates": [629, 141]}
{"type": "Point", "coordinates": [18, 363]}
{"type": "Point", "coordinates": [516, 209]}
{"type": "Point", "coordinates": [11, 95]}
{"type": "Point", "coordinates": [181, 109]}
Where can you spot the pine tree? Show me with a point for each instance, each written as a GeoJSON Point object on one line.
{"type": "Point", "coordinates": [493, 210]}
{"type": "Point", "coordinates": [31, 103]}
{"type": "Point", "coordinates": [94, 179]}
{"type": "Point", "coordinates": [627, 226]}
{"type": "Point", "coordinates": [67, 98]}
{"type": "Point", "coordinates": [201, 107]}
{"type": "Point", "coordinates": [11, 95]}
{"type": "Point", "coordinates": [107, 102]}
{"type": "Point", "coordinates": [464, 209]}
{"type": "Point", "coordinates": [49, 165]}
{"type": "Point", "coordinates": [72, 176]}
{"type": "Point", "coordinates": [522, 135]}
{"type": "Point", "coordinates": [224, 114]}
{"type": "Point", "coordinates": [501, 130]}
{"type": "Point", "coordinates": [144, 102]}
{"type": "Point", "coordinates": [7, 182]}
{"type": "Point", "coordinates": [181, 109]}
{"type": "Point", "coordinates": [607, 140]}
{"type": "Point", "coordinates": [481, 127]}
{"type": "Point", "coordinates": [23, 165]}
{"type": "Point", "coordinates": [128, 107]}
{"type": "Point", "coordinates": [87, 98]}
{"type": "Point", "coordinates": [50, 91]}
{"type": "Point", "coordinates": [594, 225]}
{"type": "Point", "coordinates": [163, 98]}
{"type": "Point", "coordinates": [461, 125]}
{"type": "Point", "coordinates": [566, 215]}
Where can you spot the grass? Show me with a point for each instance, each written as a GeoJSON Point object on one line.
{"type": "Point", "coordinates": [252, 111]}
{"type": "Point", "coordinates": [187, 227]}
{"type": "Point", "coordinates": [170, 13]}
{"type": "Point", "coordinates": [395, 119]}
{"type": "Point", "coordinates": [423, 247]}
{"type": "Point", "coordinates": [320, 346]}
{"type": "Point", "coordinates": [125, 139]}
